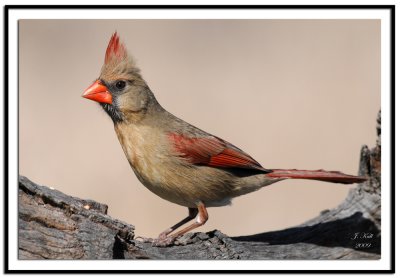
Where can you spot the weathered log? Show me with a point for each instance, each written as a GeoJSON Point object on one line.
{"type": "Point", "coordinates": [53, 225]}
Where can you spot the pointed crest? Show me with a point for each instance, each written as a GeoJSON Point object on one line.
{"type": "Point", "coordinates": [115, 49]}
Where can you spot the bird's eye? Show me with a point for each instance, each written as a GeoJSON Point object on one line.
{"type": "Point", "coordinates": [120, 84]}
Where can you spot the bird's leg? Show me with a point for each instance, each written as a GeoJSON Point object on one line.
{"type": "Point", "coordinates": [165, 240]}
{"type": "Point", "coordinates": [201, 219]}
{"type": "Point", "coordinates": [192, 215]}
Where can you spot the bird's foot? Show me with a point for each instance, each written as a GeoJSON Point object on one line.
{"type": "Point", "coordinates": [163, 242]}
{"type": "Point", "coordinates": [157, 242]}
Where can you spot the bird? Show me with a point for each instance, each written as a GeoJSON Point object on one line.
{"type": "Point", "coordinates": [176, 160]}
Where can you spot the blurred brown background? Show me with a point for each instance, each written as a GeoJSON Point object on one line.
{"type": "Point", "coordinates": [291, 93]}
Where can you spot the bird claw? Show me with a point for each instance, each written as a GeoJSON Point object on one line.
{"type": "Point", "coordinates": [157, 242]}
{"type": "Point", "coordinates": [143, 239]}
{"type": "Point", "coordinates": [163, 242]}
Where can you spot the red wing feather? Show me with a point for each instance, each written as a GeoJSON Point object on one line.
{"type": "Point", "coordinates": [212, 151]}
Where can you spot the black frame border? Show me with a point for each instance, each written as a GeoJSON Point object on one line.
{"type": "Point", "coordinates": [390, 8]}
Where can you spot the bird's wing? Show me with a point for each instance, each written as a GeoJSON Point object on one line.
{"type": "Point", "coordinates": [212, 151]}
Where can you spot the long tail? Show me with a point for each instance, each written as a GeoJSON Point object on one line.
{"type": "Point", "coordinates": [321, 175]}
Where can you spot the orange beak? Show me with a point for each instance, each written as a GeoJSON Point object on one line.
{"type": "Point", "coordinates": [98, 92]}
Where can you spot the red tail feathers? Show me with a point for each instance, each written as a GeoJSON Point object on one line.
{"type": "Point", "coordinates": [321, 175]}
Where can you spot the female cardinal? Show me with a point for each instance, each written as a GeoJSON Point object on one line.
{"type": "Point", "coordinates": [175, 160]}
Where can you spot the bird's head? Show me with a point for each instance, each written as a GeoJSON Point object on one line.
{"type": "Point", "coordinates": [120, 89]}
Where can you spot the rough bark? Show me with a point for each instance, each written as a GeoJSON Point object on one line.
{"type": "Point", "coordinates": [53, 225]}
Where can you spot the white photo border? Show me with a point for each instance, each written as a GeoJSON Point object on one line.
{"type": "Point", "coordinates": [15, 13]}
